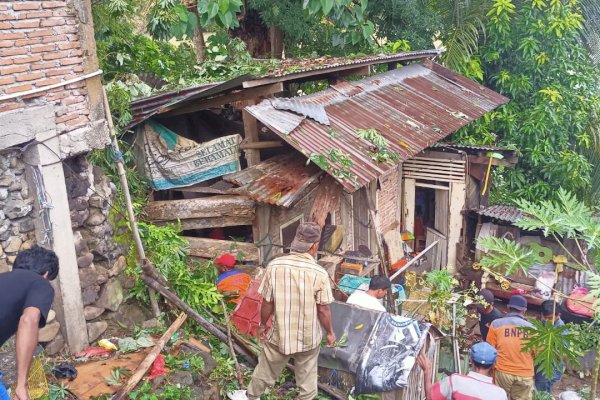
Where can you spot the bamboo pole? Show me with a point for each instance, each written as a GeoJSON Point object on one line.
{"type": "Point", "coordinates": [123, 178]}
{"type": "Point", "coordinates": [145, 365]}
{"type": "Point", "coordinates": [206, 325]}
{"type": "Point", "coordinates": [238, 370]}
{"type": "Point", "coordinates": [380, 249]}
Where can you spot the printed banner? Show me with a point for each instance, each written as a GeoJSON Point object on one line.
{"type": "Point", "coordinates": [173, 161]}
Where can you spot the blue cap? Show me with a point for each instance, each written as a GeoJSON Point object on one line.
{"type": "Point", "coordinates": [517, 302]}
{"type": "Point", "coordinates": [484, 353]}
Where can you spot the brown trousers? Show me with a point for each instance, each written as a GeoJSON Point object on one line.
{"type": "Point", "coordinates": [516, 387]}
{"type": "Point", "coordinates": [270, 364]}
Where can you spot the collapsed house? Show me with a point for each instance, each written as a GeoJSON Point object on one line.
{"type": "Point", "coordinates": [365, 155]}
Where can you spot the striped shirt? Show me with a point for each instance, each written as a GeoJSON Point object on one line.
{"type": "Point", "coordinates": [473, 386]}
{"type": "Point", "coordinates": [296, 284]}
{"type": "Point", "coordinates": [507, 337]}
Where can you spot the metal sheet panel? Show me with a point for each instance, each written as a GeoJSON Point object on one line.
{"type": "Point", "coordinates": [502, 212]}
{"type": "Point", "coordinates": [412, 107]}
{"type": "Point", "coordinates": [280, 180]}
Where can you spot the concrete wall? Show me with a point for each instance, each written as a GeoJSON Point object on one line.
{"type": "Point", "coordinates": [49, 194]}
{"type": "Point", "coordinates": [44, 43]}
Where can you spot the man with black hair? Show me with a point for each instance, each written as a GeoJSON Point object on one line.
{"type": "Point", "coordinates": [477, 384]}
{"type": "Point", "coordinates": [487, 312]}
{"type": "Point", "coordinates": [550, 313]}
{"type": "Point", "coordinates": [26, 296]}
{"type": "Point", "coordinates": [371, 299]}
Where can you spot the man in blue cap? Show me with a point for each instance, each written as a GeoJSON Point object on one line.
{"type": "Point", "coordinates": [477, 384]}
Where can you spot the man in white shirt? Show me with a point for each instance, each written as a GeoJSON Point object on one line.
{"type": "Point", "coordinates": [371, 299]}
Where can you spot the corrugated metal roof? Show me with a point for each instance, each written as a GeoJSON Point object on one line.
{"type": "Point", "coordinates": [412, 107]}
{"type": "Point", "coordinates": [280, 180]}
{"type": "Point", "coordinates": [290, 67]}
{"type": "Point", "coordinates": [476, 147]}
{"type": "Point", "coordinates": [288, 70]}
{"type": "Point", "coordinates": [142, 109]}
{"type": "Point", "coordinates": [501, 212]}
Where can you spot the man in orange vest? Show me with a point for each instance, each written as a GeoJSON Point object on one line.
{"type": "Point", "coordinates": [514, 368]}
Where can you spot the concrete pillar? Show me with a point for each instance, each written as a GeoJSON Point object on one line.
{"type": "Point", "coordinates": [68, 304]}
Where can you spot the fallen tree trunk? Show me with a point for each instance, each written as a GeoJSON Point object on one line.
{"type": "Point", "coordinates": [145, 365]}
{"type": "Point", "coordinates": [211, 248]}
{"type": "Point", "coordinates": [205, 212]}
{"type": "Point", "coordinates": [206, 325]}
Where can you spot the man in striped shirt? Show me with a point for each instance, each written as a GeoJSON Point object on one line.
{"type": "Point", "coordinates": [474, 386]}
{"type": "Point", "coordinates": [297, 292]}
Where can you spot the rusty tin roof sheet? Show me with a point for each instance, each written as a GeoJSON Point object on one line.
{"type": "Point", "coordinates": [412, 107]}
{"type": "Point", "coordinates": [280, 180]}
{"type": "Point", "coordinates": [502, 212]}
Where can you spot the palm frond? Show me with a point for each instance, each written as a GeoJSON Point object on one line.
{"type": "Point", "coordinates": [465, 19]}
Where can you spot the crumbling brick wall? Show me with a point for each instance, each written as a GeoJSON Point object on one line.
{"type": "Point", "coordinates": [388, 199]}
{"type": "Point", "coordinates": [43, 43]}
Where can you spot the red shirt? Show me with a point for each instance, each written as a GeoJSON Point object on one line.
{"type": "Point", "coordinates": [473, 386]}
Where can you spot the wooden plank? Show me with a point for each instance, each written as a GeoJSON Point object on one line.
{"type": "Point", "coordinates": [427, 185]}
{"type": "Point", "coordinates": [434, 170]}
{"type": "Point", "coordinates": [409, 204]}
{"type": "Point", "coordinates": [205, 223]}
{"type": "Point", "coordinates": [210, 248]}
{"type": "Point", "coordinates": [432, 177]}
{"type": "Point", "coordinates": [147, 363]}
{"type": "Point", "coordinates": [325, 201]}
{"type": "Point", "coordinates": [457, 203]}
{"type": "Point", "coordinates": [440, 167]}
{"type": "Point", "coordinates": [437, 159]}
{"type": "Point", "coordinates": [250, 136]}
{"type": "Point", "coordinates": [451, 163]}
{"type": "Point", "coordinates": [267, 144]}
{"type": "Point", "coordinates": [205, 207]}
{"type": "Point", "coordinates": [495, 161]}
{"type": "Point", "coordinates": [218, 101]}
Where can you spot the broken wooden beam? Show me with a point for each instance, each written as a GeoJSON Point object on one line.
{"type": "Point", "coordinates": [326, 198]}
{"type": "Point", "coordinates": [205, 212]}
{"type": "Point", "coordinates": [145, 365]}
{"type": "Point", "coordinates": [205, 324]}
{"type": "Point", "coordinates": [265, 144]}
{"type": "Point", "coordinates": [211, 248]}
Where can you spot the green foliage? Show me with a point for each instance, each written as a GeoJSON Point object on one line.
{"type": "Point", "coordinates": [227, 58]}
{"type": "Point", "coordinates": [550, 344]}
{"type": "Point", "coordinates": [167, 392]}
{"type": "Point", "coordinates": [443, 294]}
{"type": "Point", "coordinates": [349, 15]}
{"type": "Point", "coordinates": [222, 12]}
{"type": "Point", "coordinates": [184, 362]}
{"type": "Point", "coordinates": [170, 19]}
{"type": "Point", "coordinates": [505, 256]}
{"type": "Point", "coordinates": [381, 154]}
{"type": "Point", "coordinates": [58, 391]}
{"type": "Point", "coordinates": [533, 55]}
{"type": "Point", "coordinates": [463, 29]}
{"type": "Point", "coordinates": [193, 282]}
{"type": "Point", "coordinates": [584, 337]}
{"type": "Point", "coordinates": [116, 376]}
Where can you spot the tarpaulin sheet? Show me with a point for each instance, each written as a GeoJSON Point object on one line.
{"type": "Point", "coordinates": [349, 283]}
{"type": "Point", "coordinates": [381, 348]}
{"type": "Point", "coordinates": [172, 161]}
{"type": "Point", "coordinates": [357, 323]}
{"type": "Point", "coordinates": [390, 354]}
